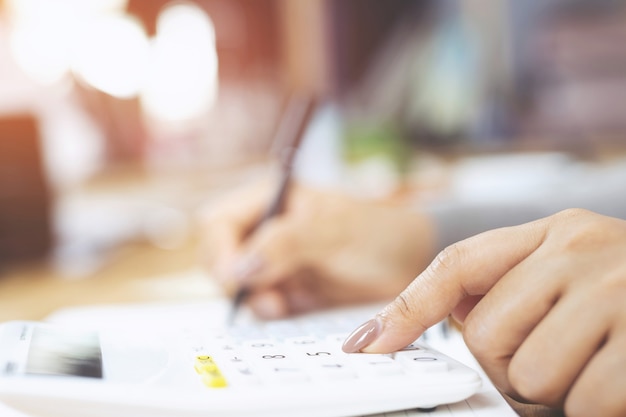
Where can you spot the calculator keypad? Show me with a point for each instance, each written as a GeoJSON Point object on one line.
{"type": "Point", "coordinates": [290, 352]}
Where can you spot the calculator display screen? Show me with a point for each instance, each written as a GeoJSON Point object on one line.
{"type": "Point", "coordinates": [54, 351]}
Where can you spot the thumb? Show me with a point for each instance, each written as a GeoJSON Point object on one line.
{"type": "Point", "coordinates": [467, 268]}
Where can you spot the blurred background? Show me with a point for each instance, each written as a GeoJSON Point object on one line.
{"type": "Point", "coordinates": [121, 119]}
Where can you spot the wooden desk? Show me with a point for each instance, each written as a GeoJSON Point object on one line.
{"type": "Point", "coordinates": [136, 274]}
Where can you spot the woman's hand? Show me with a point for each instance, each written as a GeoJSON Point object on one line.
{"type": "Point", "coordinates": [543, 307]}
{"type": "Point", "coordinates": [325, 249]}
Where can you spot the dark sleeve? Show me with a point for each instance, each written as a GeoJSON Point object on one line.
{"type": "Point", "coordinates": [458, 220]}
{"type": "Point", "coordinates": [454, 222]}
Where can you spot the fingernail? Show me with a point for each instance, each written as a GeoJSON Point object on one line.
{"type": "Point", "coordinates": [247, 267]}
{"type": "Point", "coordinates": [363, 336]}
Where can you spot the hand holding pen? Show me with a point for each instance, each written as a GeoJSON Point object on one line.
{"type": "Point", "coordinates": [313, 248]}
{"type": "Point", "coordinates": [286, 144]}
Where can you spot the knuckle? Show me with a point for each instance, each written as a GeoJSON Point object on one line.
{"type": "Point", "coordinates": [447, 260]}
{"type": "Point", "coordinates": [576, 220]}
{"type": "Point", "coordinates": [402, 308]}
{"type": "Point", "coordinates": [542, 389]}
{"type": "Point", "coordinates": [519, 381]}
{"type": "Point", "coordinates": [482, 337]}
{"type": "Point", "coordinates": [404, 311]}
{"type": "Point", "coordinates": [476, 337]}
{"type": "Point", "coordinates": [447, 265]}
{"type": "Point", "coordinates": [580, 229]}
{"type": "Point", "coordinates": [571, 216]}
{"type": "Point", "coordinates": [572, 213]}
{"type": "Point", "coordinates": [574, 216]}
{"type": "Point", "coordinates": [406, 308]}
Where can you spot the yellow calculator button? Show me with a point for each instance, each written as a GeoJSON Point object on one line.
{"type": "Point", "coordinates": [209, 372]}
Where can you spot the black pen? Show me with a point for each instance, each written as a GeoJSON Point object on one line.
{"type": "Point", "coordinates": [286, 143]}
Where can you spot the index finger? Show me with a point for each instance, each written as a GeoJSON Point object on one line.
{"type": "Point", "coordinates": [467, 268]}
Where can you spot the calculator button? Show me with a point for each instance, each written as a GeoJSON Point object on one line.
{"type": "Point", "coordinates": [302, 342]}
{"type": "Point", "coordinates": [332, 371]}
{"type": "Point", "coordinates": [243, 375]}
{"type": "Point", "coordinates": [227, 347]}
{"type": "Point", "coordinates": [313, 355]}
{"type": "Point", "coordinates": [422, 361]}
{"type": "Point", "coordinates": [413, 347]}
{"type": "Point", "coordinates": [259, 344]}
{"type": "Point", "coordinates": [286, 373]}
{"type": "Point", "coordinates": [374, 365]}
{"type": "Point", "coordinates": [325, 363]}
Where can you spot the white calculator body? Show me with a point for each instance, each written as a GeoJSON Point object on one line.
{"type": "Point", "coordinates": [183, 361]}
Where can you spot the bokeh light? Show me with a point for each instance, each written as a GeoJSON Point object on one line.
{"type": "Point", "coordinates": [42, 37]}
{"type": "Point", "coordinates": [112, 55]}
{"type": "Point", "coordinates": [182, 80]}
{"type": "Point", "coordinates": [44, 33]}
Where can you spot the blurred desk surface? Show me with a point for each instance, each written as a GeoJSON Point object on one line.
{"type": "Point", "coordinates": [135, 272]}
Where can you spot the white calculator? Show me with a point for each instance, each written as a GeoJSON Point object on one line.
{"type": "Point", "coordinates": [184, 361]}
